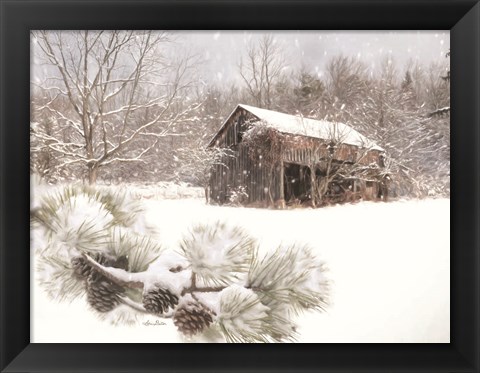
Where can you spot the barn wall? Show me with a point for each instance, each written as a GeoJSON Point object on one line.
{"type": "Point", "coordinates": [261, 182]}
{"type": "Point", "coordinates": [236, 123]}
{"type": "Point", "coordinates": [306, 151]}
{"type": "Point", "coordinates": [244, 169]}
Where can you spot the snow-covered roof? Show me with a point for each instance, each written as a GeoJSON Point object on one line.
{"type": "Point", "coordinates": [298, 125]}
{"type": "Point", "coordinates": [321, 129]}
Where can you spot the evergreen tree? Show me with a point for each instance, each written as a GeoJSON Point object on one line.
{"type": "Point", "coordinates": [308, 92]}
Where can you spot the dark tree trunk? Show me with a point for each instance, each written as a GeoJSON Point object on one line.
{"type": "Point", "coordinates": [92, 174]}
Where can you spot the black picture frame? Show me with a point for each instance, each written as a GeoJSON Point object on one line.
{"type": "Point", "coordinates": [18, 17]}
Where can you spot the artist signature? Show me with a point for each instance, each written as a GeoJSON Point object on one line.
{"type": "Point", "coordinates": [156, 323]}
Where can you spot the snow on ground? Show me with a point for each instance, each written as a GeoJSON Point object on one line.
{"type": "Point", "coordinates": [389, 264]}
{"type": "Point", "coordinates": [165, 190]}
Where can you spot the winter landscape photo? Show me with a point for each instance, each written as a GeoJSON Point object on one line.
{"type": "Point", "coordinates": [240, 186]}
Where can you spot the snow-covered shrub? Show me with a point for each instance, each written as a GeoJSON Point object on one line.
{"type": "Point", "coordinates": [237, 196]}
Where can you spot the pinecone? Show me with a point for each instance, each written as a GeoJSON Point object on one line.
{"type": "Point", "coordinates": [83, 269]}
{"type": "Point", "coordinates": [192, 318]}
{"type": "Point", "coordinates": [158, 301]}
{"type": "Point", "coordinates": [102, 294]}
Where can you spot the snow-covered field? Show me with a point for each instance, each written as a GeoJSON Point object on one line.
{"type": "Point", "coordinates": [389, 264]}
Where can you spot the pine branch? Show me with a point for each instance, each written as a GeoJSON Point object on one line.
{"type": "Point", "coordinates": [141, 250]}
{"type": "Point", "coordinates": [58, 278]}
{"type": "Point", "coordinates": [290, 275]}
{"type": "Point", "coordinates": [129, 302]}
{"type": "Point", "coordinates": [218, 254]}
{"type": "Point", "coordinates": [113, 274]}
{"type": "Point", "coordinates": [219, 280]}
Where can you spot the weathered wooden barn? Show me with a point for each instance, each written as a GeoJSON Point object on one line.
{"type": "Point", "coordinates": [275, 160]}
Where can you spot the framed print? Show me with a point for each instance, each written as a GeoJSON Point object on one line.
{"type": "Point", "coordinates": [207, 187]}
{"type": "Point", "coordinates": [199, 177]}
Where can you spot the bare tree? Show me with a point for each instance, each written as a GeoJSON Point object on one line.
{"type": "Point", "coordinates": [394, 113]}
{"type": "Point", "coordinates": [262, 69]}
{"type": "Point", "coordinates": [122, 95]}
{"type": "Point", "coordinates": [347, 81]}
{"type": "Point", "coordinates": [438, 89]}
{"type": "Point", "coordinates": [195, 163]}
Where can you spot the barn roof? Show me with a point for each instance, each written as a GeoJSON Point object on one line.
{"type": "Point", "coordinates": [298, 125]}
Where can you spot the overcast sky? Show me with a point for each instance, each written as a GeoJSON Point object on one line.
{"type": "Point", "coordinates": [222, 50]}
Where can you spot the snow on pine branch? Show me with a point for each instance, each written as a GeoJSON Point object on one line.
{"type": "Point", "coordinates": [219, 254]}
{"type": "Point", "coordinates": [291, 275]}
{"type": "Point", "coordinates": [242, 315]}
{"type": "Point", "coordinates": [95, 245]}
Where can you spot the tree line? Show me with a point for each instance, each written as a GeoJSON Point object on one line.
{"type": "Point", "coordinates": [116, 106]}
